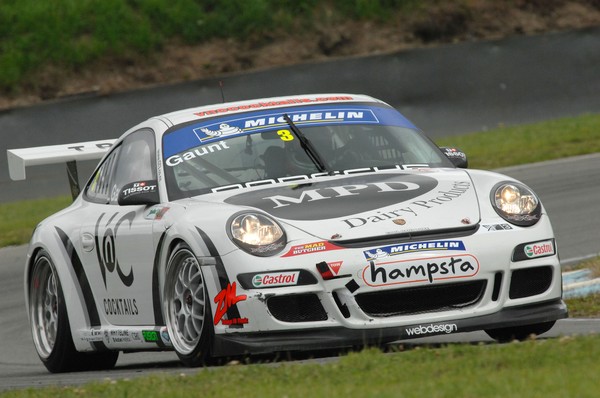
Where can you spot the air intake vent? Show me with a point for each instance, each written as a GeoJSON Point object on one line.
{"type": "Point", "coordinates": [433, 298]}
{"type": "Point", "coordinates": [297, 308]}
{"type": "Point", "coordinates": [530, 281]}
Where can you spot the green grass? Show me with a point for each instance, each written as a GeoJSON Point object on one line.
{"type": "Point", "coordinates": [563, 367]}
{"type": "Point", "coordinates": [508, 146]}
{"type": "Point", "coordinates": [17, 220]}
{"type": "Point", "coordinates": [70, 34]}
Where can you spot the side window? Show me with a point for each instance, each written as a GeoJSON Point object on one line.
{"type": "Point", "coordinates": [98, 190]}
{"type": "Point", "coordinates": [136, 161]}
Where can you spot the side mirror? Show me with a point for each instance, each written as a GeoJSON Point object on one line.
{"type": "Point", "coordinates": [456, 156]}
{"type": "Point", "coordinates": [139, 193]}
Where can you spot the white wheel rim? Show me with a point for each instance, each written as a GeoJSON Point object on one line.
{"type": "Point", "coordinates": [185, 301]}
{"type": "Point", "coordinates": [44, 307]}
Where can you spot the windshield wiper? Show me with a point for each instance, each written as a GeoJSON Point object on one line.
{"type": "Point", "coordinates": [306, 145]}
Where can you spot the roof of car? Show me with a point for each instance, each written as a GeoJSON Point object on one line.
{"type": "Point", "coordinates": [207, 111]}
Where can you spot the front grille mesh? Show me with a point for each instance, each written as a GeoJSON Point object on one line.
{"type": "Point", "coordinates": [422, 299]}
{"type": "Point", "coordinates": [530, 281]}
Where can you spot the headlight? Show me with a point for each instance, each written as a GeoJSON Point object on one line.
{"type": "Point", "coordinates": [516, 203]}
{"type": "Point", "coordinates": [257, 234]}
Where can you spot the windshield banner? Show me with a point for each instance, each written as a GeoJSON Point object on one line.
{"type": "Point", "coordinates": [220, 128]}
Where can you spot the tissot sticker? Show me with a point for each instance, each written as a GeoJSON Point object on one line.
{"type": "Point", "coordinates": [309, 248]}
{"type": "Point", "coordinates": [412, 247]}
{"type": "Point", "coordinates": [427, 270]}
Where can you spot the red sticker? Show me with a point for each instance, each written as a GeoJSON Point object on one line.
{"type": "Point", "coordinates": [310, 248]}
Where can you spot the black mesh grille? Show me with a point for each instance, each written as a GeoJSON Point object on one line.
{"type": "Point", "coordinates": [530, 281]}
{"type": "Point", "coordinates": [422, 299]}
{"type": "Point", "coordinates": [297, 308]}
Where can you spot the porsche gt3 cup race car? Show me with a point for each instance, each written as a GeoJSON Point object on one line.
{"type": "Point", "coordinates": [281, 224]}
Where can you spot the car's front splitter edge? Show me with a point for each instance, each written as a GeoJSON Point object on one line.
{"type": "Point", "coordinates": [339, 337]}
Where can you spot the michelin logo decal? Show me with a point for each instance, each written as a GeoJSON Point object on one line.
{"type": "Point", "coordinates": [404, 248]}
{"type": "Point", "coordinates": [254, 124]}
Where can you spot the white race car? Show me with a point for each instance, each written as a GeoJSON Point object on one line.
{"type": "Point", "coordinates": [281, 224]}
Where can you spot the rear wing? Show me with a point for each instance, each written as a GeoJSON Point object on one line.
{"type": "Point", "coordinates": [20, 159]}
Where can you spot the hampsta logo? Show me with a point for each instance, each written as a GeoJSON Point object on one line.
{"type": "Point", "coordinates": [432, 329]}
{"type": "Point", "coordinates": [403, 248]}
{"type": "Point", "coordinates": [426, 270]}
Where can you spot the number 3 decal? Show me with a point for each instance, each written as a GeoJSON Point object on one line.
{"type": "Point", "coordinates": [285, 135]}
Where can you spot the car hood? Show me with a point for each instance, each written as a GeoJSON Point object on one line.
{"type": "Point", "coordinates": [347, 207]}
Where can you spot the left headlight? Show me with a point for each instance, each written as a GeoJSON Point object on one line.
{"type": "Point", "coordinates": [257, 234]}
{"type": "Point", "coordinates": [516, 203]}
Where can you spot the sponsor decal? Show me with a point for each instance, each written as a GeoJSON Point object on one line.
{"type": "Point", "coordinates": [120, 306]}
{"type": "Point", "coordinates": [432, 329]}
{"type": "Point", "coordinates": [91, 336]}
{"type": "Point", "coordinates": [156, 213]}
{"type": "Point", "coordinates": [539, 249]}
{"type": "Point", "coordinates": [195, 153]}
{"type": "Point", "coordinates": [98, 145]}
{"type": "Point", "coordinates": [339, 198]}
{"type": "Point", "coordinates": [309, 248]}
{"type": "Point", "coordinates": [275, 279]}
{"type": "Point", "coordinates": [120, 336]}
{"type": "Point", "coordinates": [137, 188]}
{"type": "Point", "coordinates": [426, 270]}
{"type": "Point", "coordinates": [106, 247]}
{"type": "Point", "coordinates": [497, 227]}
{"type": "Point", "coordinates": [269, 104]}
{"type": "Point", "coordinates": [226, 299]}
{"type": "Point", "coordinates": [164, 335]}
{"type": "Point", "coordinates": [150, 336]}
{"type": "Point", "coordinates": [413, 208]}
{"type": "Point", "coordinates": [263, 122]}
{"type": "Point", "coordinates": [403, 248]}
{"type": "Point", "coordinates": [335, 267]}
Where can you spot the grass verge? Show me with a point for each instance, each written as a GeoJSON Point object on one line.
{"type": "Point", "coordinates": [509, 146]}
{"type": "Point", "coordinates": [565, 367]}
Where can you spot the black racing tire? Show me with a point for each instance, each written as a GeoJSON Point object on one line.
{"type": "Point", "coordinates": [520, 333]}
{"type": "Point", "coordinates": [187, 309]}
{"type": "Point", "coordinates": [50, 324]}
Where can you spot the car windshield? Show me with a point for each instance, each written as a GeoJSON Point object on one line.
{"type": "Point", "coordinates": [243, 151]}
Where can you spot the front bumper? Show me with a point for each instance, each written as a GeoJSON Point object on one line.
{"type": "Point", "coordinates": [340, 337]}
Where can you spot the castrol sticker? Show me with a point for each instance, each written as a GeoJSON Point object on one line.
{"type": "Point", "coordinates": [539, 249]}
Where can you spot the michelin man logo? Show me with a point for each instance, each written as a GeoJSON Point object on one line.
{"type": "Point", "coordinates": [378, 254]}
{"type": "Point", "coordinates": [224, 129]}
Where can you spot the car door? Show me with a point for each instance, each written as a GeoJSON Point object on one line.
{"type": "Point", "coordinates": [117, 241]}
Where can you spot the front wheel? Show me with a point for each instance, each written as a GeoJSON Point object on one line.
{"type": "Point", "coordinates": [520, 333]}
{"type": "Point", "coordinates": [50, 324]}
{"type": "Point", "coordinates": [187, 309]}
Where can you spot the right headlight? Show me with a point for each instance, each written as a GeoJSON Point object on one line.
{"type": "Point", "coordinates": [516, 203]}
{"type": "Point", "coordinates": [257, 234]}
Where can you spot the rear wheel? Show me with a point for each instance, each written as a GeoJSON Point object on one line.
{"type": "Point", "coordinates": [50, 324]}
{"type": "Point", "coordinates": [520, 333]}
{"type": "Point", "coordinates": [187, 309]}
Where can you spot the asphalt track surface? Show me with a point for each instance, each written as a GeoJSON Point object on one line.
{"type": "Point", "coordinates": [446, 90]}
